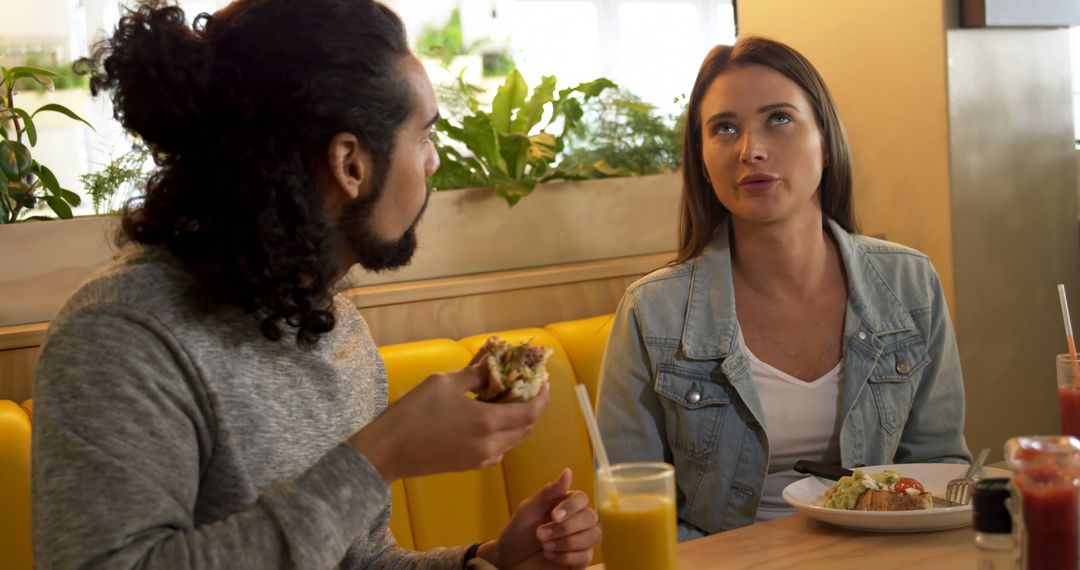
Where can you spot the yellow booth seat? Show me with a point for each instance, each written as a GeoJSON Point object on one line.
{"type": "Point", "coordinates": [449, 508]}
{"type": "Point", "coordinates": [467, 507]}
{"type": "Point", "coordinates": [559, 438]}
{"type": "Point", "coordinates": [437, 510]}
{"type": "Point", "coordinates": [585, 341]}
{"type": "Point", "coordinates": [15, 549]}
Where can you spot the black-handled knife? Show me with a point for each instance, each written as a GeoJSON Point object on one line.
{"type": "Point", "coordinates": [834, 472]}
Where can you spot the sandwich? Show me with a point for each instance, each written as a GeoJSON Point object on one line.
{"type": "Point", "coordinates": [511, 373]}
{"type": "Point", "coordinates": [885, 491]}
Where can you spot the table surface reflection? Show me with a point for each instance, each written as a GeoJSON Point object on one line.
{"type": "Point", "coordinates": [798, 541]}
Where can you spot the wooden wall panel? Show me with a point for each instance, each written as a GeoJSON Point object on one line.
{"type": "Point", "coordinates": [17, 373]}
{"type": "Point", "coordinates": [459, 317]}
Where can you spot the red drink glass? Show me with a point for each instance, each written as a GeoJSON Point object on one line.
{"type": "Point", "coordinates": [1045, 487]}
{"type": "Point", "coordinates": [1068, 394]}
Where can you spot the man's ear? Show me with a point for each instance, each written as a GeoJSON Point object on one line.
{"type": "Point", "coordinates": [350, 165]}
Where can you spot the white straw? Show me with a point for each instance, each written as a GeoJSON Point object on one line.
{"type": "Point", "coordinates": [594, 436]}
{"type": "Point", "coordinates": [1065, 310]}
{"type": "Point", "coordinates": [1069, 335]}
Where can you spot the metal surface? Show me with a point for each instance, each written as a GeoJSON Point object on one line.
{"type": "Point", "coordinates": [1015, 231]}
{"type": "Point", "coordinates": [1020, 13]}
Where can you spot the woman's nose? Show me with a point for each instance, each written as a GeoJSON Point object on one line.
{"type": "Point", "coordinates": [752, 148]}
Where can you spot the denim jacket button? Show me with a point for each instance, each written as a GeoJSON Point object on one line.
{"type": "Point", "coordinates": [862, 335]}
{"type": "Point", "coordinates": [903, 367]}
{"type": "Point", "coordinates": [693, 396]}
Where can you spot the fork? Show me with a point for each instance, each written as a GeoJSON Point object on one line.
{"type": "Point", "coordinates": [958, 491]}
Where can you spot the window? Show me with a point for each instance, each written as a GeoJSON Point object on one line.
{"type": "Point", "coordinates": [651, 47]}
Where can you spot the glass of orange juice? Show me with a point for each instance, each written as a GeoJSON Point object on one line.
{"type": "Point", "coordinates": [637, 516]}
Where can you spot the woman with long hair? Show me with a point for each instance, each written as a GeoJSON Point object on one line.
{"type": "Point", "coordinates": [778, 333]}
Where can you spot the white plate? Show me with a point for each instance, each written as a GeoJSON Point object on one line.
{"type": "Point", "coordinates": [806, 495]}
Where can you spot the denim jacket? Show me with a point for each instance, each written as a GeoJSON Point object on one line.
{"type": "Point", "coordinates": [676, 386]}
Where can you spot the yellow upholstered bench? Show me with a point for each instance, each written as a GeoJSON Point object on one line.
{"type": "Point", "coordinates": [15, 549]}
{"type": "Point", "coordinates": [585, 341]}
{"type": "Point", "coordinates": [462, 508]}
{"type": "Point", "coordinates": [428, 512]}
{"type": "Point", "coordinates": [449, 508]}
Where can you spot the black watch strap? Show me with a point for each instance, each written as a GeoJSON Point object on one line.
{"type": "Point", "coordinates": [470, 554]}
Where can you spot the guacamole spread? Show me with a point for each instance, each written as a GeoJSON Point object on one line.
{"type": "Point", "coordinates": [845, 492]}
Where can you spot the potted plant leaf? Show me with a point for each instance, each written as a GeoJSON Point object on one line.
{"type": "Point", "coordinates": [24, 182]}
{"type": "Point", "coordinates": [508, 149]}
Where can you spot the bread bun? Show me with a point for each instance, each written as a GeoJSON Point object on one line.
{"type": "Point", "coordinates": [873, 500]}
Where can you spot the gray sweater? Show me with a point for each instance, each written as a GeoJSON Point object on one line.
{"type": "Point", "coordinates": [170, 437]}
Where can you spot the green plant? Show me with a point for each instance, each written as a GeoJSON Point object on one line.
{"type": "Point", "coordinates": [24, 181]}
{"type": "Point", "coordinates": [508, 149]}
{"type": "Point", "coordinates": [444, 43]}
{"type": "Point", "coordinates": [64, 76]}
{"type": "Point", "coordinates": [498, 63]}
{"type": "Point", "coordinates": [121, 177]}
{"type": "Point", "coordinates": [448, 42]}
{"type": "Point", "coordinates": [628, 134]}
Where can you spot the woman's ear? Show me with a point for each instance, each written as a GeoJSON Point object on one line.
{"type": "Point", "coordinates": [350, 166]}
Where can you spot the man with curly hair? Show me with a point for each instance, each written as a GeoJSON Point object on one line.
{"type": "Point", "coordinates": [208, 401]}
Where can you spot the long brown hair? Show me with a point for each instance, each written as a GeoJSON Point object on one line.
{"type": "Point", "coordinates": [700, 211]}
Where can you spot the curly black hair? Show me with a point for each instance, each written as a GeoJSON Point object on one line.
{"type": "Point", "coordinates": [236, 109]}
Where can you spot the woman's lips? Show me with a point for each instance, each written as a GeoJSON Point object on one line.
{"type": "Point", "coordinates": [757, 182]}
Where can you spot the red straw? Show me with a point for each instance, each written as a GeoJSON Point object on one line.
{"type": "Point", "coordinates": [1069, 335]}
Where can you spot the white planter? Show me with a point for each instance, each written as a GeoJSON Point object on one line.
{"type": "Point", "coordinates": [474, 231]}
{"type": "Point", "coordinates": [44, 262]}
{"type": "Point", "coordinates": [463, 232]}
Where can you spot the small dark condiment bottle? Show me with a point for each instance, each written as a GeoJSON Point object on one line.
{"type": "Point", "coordinates": [995, 544]}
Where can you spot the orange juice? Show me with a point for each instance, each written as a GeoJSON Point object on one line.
{"type": "Point", "coordinates": [640, 533]}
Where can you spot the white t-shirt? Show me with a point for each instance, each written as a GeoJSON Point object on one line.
{"type": "Point", "coordinates": [801, 421]}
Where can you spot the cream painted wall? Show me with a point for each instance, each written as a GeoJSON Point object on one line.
{"type": "Point", "coordinates": [34, 19]}
{"type": "Point", "coordinates": [884, 62]}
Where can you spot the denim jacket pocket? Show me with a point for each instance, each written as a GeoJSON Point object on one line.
{"type": "Point", "coordinates": [694, 406]}
{"type": "Point", "coordinates": [893, 382]}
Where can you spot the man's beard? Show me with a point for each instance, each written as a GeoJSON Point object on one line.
{"type": "Point", "coordinates": [371, 251]}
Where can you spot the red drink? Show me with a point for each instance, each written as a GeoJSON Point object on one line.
{"type": "Point", "coordinates": [1069, 400]}
{"type": "Point", "coordinates": [1049, 505]}
{"type": "Point", "coordinates": [1046, 484]}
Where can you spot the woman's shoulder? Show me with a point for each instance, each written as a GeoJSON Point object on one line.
{"type": "Point", "coordinates": [873, 245]}
{"type": "Point", "coordinates": [907, 273]}
{"type": "Point", "coordinates": [664, 280]}
{"type": "Point", "coordinates": [891, 256]}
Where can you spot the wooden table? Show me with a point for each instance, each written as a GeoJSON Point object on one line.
{"type": "Point", "coordinates": [800, 542]}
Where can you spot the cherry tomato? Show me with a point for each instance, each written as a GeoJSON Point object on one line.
{"type": "Point", "coordinates": [902, 485]}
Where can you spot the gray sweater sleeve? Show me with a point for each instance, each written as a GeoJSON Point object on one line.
{"type": "Point", "coordinates": [123, 431]}
{"type": "Point", "coordinates": [381, 551]}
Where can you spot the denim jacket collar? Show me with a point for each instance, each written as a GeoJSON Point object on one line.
{"type": "Point", "coordinates": [710, 332]}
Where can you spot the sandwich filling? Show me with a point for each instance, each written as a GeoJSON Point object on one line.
{"type": "Point", "coordinates": [512, 373]}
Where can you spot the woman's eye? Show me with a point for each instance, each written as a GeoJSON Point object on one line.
{"type": "Point", "coordinates": [724, 129]}
{"type": "Point", "coordinates": [780, 118]}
